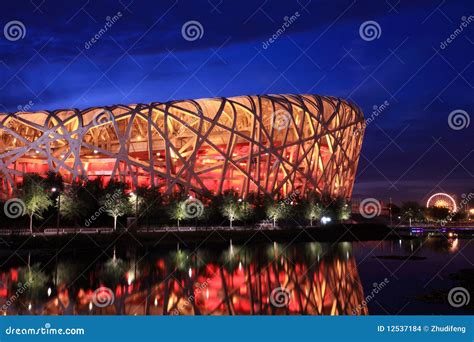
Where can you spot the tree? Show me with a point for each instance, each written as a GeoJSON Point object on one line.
{"type": "Point", "coordinates": [230, 209]}
{"type": "Point", "coordinates": [277, 211]}
{"type": "Point", "coordinates": [73, 206]}
{"type": "Point", "coordinates": [314, 211]}
{"type": "Point", "coordinates": [147, 202]}
{"type": "Point", "coordinates": [437, 214]}
{"type": "Point", "coordinates": [245, 209]}
{"type": "Point", "coordinates": [115, 203]}
{"type": "Point", "coordinates": [235, 208]}
{"type": "Point", "coordinates": [177, 210]}
{"type": "Point", "coordinates": [34, 196]}
{"type": "Point", "coordinates": [343, 209]}
{"type": "Point", "coordinates": [412, 211]}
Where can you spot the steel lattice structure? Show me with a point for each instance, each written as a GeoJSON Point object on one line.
{"type": "Point", "coordinates": [271, 144]}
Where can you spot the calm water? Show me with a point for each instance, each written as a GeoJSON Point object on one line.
{"type": "Point", "coordinates": [305, 278]}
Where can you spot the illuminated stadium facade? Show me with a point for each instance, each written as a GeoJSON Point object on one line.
{"type": "Point", "coordinates": [270, 144]}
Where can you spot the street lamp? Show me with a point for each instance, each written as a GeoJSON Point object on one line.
{"type": "Point", "coordinates": [325, 220]}
{"type": "Point", "coordinates": [135, 197]}
{"type": "Point", "coordinates": [54, 189]}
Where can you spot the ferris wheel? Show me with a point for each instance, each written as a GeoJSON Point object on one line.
{"type": "Point", "coordinates": [442, 200]}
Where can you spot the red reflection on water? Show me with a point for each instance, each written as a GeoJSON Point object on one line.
{"type": "Point", "coordinates": [318, 284]}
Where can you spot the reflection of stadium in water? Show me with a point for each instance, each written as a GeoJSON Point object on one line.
{"type": "Point", "coordinates": [309, 278]}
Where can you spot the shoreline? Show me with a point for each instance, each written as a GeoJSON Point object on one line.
{"type": "Point", "coordinates": [219, 235]}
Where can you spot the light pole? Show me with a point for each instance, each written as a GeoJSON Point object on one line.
{"type": "Point", "coordinates": [59, 208]}
{"type": "Point", "coordinates": [136, 207]}
{"type": "Point", "coordinates": [390, 210]}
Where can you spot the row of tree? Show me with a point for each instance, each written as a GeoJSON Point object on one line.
{"type": "Point", "coordinates": [414, 212]}
{"type": "Point", "coordinates": [84, 203]}
{"type": "Point", "coordinates": [89, 202]}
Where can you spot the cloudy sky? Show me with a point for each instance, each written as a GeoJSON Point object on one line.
{"type": "Point", "coordinates": [402, 64]}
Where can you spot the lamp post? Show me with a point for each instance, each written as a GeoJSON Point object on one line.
{"type": "Point", "coordinates": [136, 207]}
{"type": "Point", "coordinates": [59, 208]}
{"type": "Point", "coordinates": [390, 210]}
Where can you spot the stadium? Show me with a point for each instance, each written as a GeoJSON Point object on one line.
{"type": "Point", "coordinates": [268, 144]}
